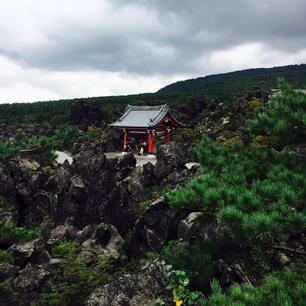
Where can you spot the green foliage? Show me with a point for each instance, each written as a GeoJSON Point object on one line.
{"type": "Point", "coordinates": [178, 282]}
{"type": "Point", "coordinates": [287, 287]}
{"type": "Point", "coordinates": [93, 133]}
{"type": "Point", "coordinates": [284, 119]}
{"type": "Point", "coordinates": [10, 232]}
{"type": "Point", "coordinates": [238, 84]}
{"type": "Point", "coordinates": [59, 119]}
{"type": "Point", "coordinates": [6, 257]}
{"type": "Point", "coordinates": [77, 280]}
{"type": "Point", "coordinates": [258, 194]}
{"type": "Point", "coordinates": [195, 260]}
{"type": "Point", "coordinates": [62, 139]}
{"type": "Point", "coordinates": [150, 257]}
{"type": "Point", "coordinates": [227, 86]}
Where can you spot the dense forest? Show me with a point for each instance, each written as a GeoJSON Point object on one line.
{"type": "Point", "coordinates": [234, 85]}
{"type": "Point", "coordinates": [221, 87]}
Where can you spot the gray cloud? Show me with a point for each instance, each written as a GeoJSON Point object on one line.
{"type": "Point", "coordinates": [148, 37]}
{"type": "Point", "coordinates": [140, 39]}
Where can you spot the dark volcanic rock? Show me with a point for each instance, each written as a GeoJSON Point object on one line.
{"type": "Point", "coordinates": [157, 226]}
{"type": "Point", "coordinates": [191, 229]}
{"type": "Point", "coordinates": [170, 157]}
{"type": "Point", "coordinates": [228, 275]}
{"type": "Point", "coordinates": [140, 289]}
{"type": "Point", "coordinates": [7, 271]}
{"type": "Point", "coordinates": [30, 278]}
{"type": "Point", "coordinates": [86, 113]}
{"type": "Point", "coordinates": [31, 251]}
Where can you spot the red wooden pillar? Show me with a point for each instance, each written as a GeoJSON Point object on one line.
{"type": "Point", "coordinates": [167, 136]}
{"type": "Point", "coordinates": [125, 139]}
{"type": "Point", "coordinates": [141, 139]}
{"type": "Point", "coordinates": [150, 143]}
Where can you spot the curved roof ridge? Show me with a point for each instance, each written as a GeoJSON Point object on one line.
{"type": "Point", "coordinates": [143, 116]}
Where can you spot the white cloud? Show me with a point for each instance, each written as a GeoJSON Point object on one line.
{"type": "Point", "coordinates": [253, 55]}
{"type": "Point", "coordinates": [72, 48]}
{"type": "Point", "coordinates": [23, 84]}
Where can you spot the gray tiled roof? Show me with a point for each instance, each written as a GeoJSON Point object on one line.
{"type": "Point", "coordinates": [141, 116]}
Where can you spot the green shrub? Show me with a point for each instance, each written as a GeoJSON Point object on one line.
{"type": "Point", "coordinates": [77, 280]}
{"type": "Point", "coordinates": [59, 119]}
{"type": "Point", "coordinates": [10, 232]}
{"type": "Point", "coordinates": [93, 133]}
{"type": "Point", "coordinates": [287, 287]}
{"type": "Point", "coordinates": [195, 260]}
{"type": "Point", "coordinates": [6, 257]}
{"type": "Point", "coordinates": [62, 139]}
{"type": "Point", "coordinates": [258, 194]}
{"type": "Point", "coordinates": [284, 119]}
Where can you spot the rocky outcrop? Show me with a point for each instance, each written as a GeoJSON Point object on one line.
{"type": "Point", "coordinates": [139, 289]}
{"type": "Point", "coordinates": [105, 238]}
{"type": "Point", "coordinates": [171, 160]}
{"type": "Point", "coordinates": [157, 226]}
{"type": "Point", "coordinates": [192, 229]}
{"type": "Point", "coordinates": [86, 114]}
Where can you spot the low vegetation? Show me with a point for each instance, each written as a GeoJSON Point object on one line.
{"type": "Point", "coordinates": [259, 196]}
{"type": "Point", "coordinates": [11, 232]}
{"type": "Point", "coordinates": [62, 139]}
{"type": "Point", "coordinates": [77, 279]}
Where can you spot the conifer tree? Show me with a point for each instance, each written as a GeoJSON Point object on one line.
{"type": "Point", "coordinates": [284, 119]}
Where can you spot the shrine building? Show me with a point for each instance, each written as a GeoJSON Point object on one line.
{"type": "Point", "coordinates": [146, 121]}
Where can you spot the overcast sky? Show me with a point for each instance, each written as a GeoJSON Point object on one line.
{"type": "Point", "coordinates": [82, 48]}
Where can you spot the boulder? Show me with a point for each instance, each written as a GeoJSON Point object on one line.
{"type": "Point", "coordinates": [30, 278]}
{"type": "Point", "coordinates": [85, 233]}
{"type": "Point", "coordinates": [157, 226]}
{"type": "Point", "coordinates": [60, 234]}
{"type": "Point", "coordinates": [7, 271]}
{"type": "Point", "coordinates": [170, 157]}
{"type": "Point", "coordinates": [31, 251]}
{"type": "Point", "coordinates": [228, 275]}
{"type": "Point", "coordinates": [191, 229]}
{"type": "Point", "coordinates": [105, 239]}
{"type": "Point", "coordinates": [138, 289]}
{"type": "Point", "coordinates": [109, 238]}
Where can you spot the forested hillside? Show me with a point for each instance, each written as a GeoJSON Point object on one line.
{"type": "Point", "coordinates": [237, 84]}
{"type": "Point", "coordinates": [221, 87]}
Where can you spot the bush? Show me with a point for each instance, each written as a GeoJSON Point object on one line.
{"type": "Point", "coordinates": [62, 139]}
{"type": "Point", "coordinates": [6, 257]}
{"type": "Point", "coordinates": [257, 193]}
{"type": "Point", "coordinates": [284, 119]}
{"type": "Point", "coordinates": [77, 280]}
{"type": "Point", "coordinates": [287, 287]}
{"type": "Point", "coordinates": [10, 232]}
{"type": "Point", "coordinates": [196, 260]}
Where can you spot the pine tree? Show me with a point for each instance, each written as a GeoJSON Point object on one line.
{"type": "Point", "coordinates": [284, 119]}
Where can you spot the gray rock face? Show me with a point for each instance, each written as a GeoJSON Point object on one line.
{"type": "Point", "coordinates": [228, 275]}
{"type": "Point", "coordinates": [190, 229]}
{"type": "Point", "coordinates": [140, 289]}
{"type": "Point", "coordinates": [30, 278]}
{"type": "Point", "coordinates": [157, 226]}
{"type": "Point", "coordinates": [60, 234]}
{"type": "Point", "coordinates": [105, 237]}
{"type": "Point", "coordinates": [170, 157]}
{"type": "Point", "coordinates": [86, 113]}
{"type": "Point", "coordinates": [22, 187]}
{"type": "Point", "coordinates": [7, 271]}
{"type": "Point", "coordinates": [31, 251]}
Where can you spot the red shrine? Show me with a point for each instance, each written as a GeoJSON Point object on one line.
{"type": "Point", "coordinates": [147, 120]}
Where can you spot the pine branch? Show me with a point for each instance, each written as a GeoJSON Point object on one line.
{"type": "Point", "coordinates": [282, 248]}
